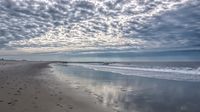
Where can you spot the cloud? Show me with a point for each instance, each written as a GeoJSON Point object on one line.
{"type": "Point", "coordinates": [76, 38]}
{"type": "Point", "coordinates": [93, 24]}
{"type": "Point", "coordinates": [175, 29]}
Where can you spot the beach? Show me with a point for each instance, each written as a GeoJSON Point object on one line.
{"type": "Point", "coordinates": [27, 86]}
{"type": "Point", "coordinates": [49, 86]}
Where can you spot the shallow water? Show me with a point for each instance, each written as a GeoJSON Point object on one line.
{"type": "Point", "coordinates": [130, 93]}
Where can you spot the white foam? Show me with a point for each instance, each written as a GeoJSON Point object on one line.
{"type": "Point", "coordinates": [170, 73]}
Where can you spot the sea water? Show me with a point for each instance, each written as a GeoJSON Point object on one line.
{"type": "Point", "coordinates": [139, 86]}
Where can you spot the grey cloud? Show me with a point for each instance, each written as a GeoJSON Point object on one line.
{"type": "Point", "coordinates": [27, 19]}
{"type": "Point", "coordinates": [177, 28]}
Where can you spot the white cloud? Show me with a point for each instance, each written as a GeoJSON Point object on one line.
{"type": "Point", "coordinates": [33, 25]}
{"type": "Point", "coordinates": [74, 39]}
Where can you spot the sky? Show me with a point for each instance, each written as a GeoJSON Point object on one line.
{"type": "Point", "coordinates": [100, 29]}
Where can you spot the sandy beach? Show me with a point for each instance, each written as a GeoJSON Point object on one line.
{"type": "Point", "coordinates": [32, 87]}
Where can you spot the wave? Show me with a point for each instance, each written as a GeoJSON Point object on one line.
{"type": "Point", "coordinates": [170, 73]}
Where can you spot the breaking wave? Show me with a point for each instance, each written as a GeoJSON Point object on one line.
{"type": "Point", "coordinates": [170, 73]}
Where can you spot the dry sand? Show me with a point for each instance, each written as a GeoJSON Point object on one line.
{"type": "Point", "coordinates": [31, 87]}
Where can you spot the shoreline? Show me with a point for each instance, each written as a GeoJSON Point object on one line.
{"type": "Point", "coordinates": [30, 86]}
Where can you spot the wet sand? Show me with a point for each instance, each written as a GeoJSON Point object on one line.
{"type": "Point", "coordinates": [32, 87]}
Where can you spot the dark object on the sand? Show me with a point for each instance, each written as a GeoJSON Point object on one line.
{"type": "Point", "coordinates": [1, 100]}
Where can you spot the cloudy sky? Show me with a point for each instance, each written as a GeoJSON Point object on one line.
{"type": "Point", "coordinates": [104, 28]}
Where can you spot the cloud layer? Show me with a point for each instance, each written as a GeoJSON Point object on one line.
{"type": "Point", "coordinates": [53, 25]}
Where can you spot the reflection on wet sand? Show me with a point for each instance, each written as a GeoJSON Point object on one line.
{"type": "Point", "coordinates": [134, 94]}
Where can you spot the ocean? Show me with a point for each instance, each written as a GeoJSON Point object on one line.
{"type": "Point", "coordinates": [137, 86]}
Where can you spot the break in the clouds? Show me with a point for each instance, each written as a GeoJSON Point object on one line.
{"type": "Point", "coordinates": [54, 25]}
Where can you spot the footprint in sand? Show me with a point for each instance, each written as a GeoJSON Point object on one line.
{"type": "Point", "coordinates": [15, 94]}
{"type": "Point", "coordinates": [59, 105]}
{"type": "Point", "coordinates": [35, 97]}
{"type": "Point", "coordinates": [18, 92]}
{"type": "Point", "coordinates": [13, 101]}
{"type": "Point", "coordinates": [35, 106]}
{"type": "Point", "coordinates": [59, 98]}
{"type": "Point", "coordinates": [70, 106]}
